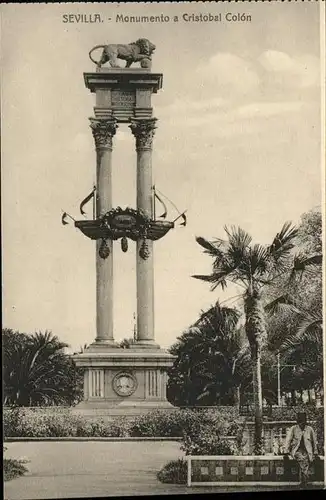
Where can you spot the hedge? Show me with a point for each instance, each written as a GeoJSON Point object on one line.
{"type": "Point", "coordinates": [23, 422]}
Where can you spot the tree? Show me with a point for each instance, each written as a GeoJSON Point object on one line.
{"type": "Point", "coordinates": [37, 371]}
{"type": "Point", "coordinates": [254, 267]}
{"type": "Point", "coordinates": [295, 328]}
{"type": "Point", "coordinates": [212, 361]}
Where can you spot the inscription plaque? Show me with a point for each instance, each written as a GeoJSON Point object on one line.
{"type": "Point", "coordinates": [123, 98]}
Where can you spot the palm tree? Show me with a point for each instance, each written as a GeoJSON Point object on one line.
{"type": "Point", "coordinates": [212, 359]}
{"type": "Point", "coordinates": [254, 267]}
{"type": "Point", "coordinates": [37, 371]}
{"type": "Point", "coordinates": [227, 350]}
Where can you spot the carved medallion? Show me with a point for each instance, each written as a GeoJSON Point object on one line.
{"type": "Point", "coordinates": [124, 384]}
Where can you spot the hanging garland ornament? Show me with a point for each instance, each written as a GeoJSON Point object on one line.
{"type": "Point", "coordinates": [124, 244]}
{"type": "Point", "coordinates": [144, 252]}
{"type": "Point", "coordinates": [104, 250]}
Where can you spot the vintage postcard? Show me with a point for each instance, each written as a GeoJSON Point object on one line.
{"type": "Point", "coordinates": [163, 175]}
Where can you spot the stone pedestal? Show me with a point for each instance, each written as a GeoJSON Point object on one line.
{"type": "Point", "coordinates": [123, 381]}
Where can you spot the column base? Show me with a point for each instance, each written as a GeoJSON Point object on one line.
{"type": "Point", "coordinates": [124, 381]}
{"type": "Point", "coordinates": [102, 345]}
{"type": "Point", "coordinates": [145, 344]}
{"type": "Point", "coordinates": [109, 411]}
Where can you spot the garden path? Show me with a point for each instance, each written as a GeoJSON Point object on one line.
{"type": "Point", "coordinates": [94, 469]}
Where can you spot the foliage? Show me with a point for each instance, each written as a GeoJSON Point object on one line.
{"type": "Point", "coordinates": [37, 371]}
{"type": "Point", "coordinates": [101, 428]}
{"type": "Point", "coordinates": [206, 442]}
{"type": "Point", "coordinates": [320, 432]}
{"type": "Point", "coordinates": [126, 343]}
{"type": "Point", "coordinates": [25, 422]}
{"type": "Point", "coordinates": [212, 363]}
{"type": "Point", "coordinates": [13, 468]}
{"type": "Point", "coordinates": [174, 472]}
{"type": "Point", "coordinates": [295, 327]}
{"type": "Point", "coordinates": [310, 232]}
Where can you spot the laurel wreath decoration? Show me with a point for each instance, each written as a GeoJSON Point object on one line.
{"type": "Point", "coordinates": [126, 223]}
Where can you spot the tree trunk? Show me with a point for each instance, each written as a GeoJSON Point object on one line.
{"type": "Point", "coordinates": [258, 402]}
{"type": "Point", "coordinates": [256, 334]}
{"type": "Point", "coordinates": [236, 396]}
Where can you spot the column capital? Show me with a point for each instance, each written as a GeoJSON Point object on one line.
{"type": "Point", "coordinates": [143, 129]}
{"type": "Point", "coordinates": [103, 131]}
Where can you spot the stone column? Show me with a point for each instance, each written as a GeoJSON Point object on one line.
{"type": "Point", "coordinates": [103, 132]}
{"type": "Point", "coordinates": [143, 130]}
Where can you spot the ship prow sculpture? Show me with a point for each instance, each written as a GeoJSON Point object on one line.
{"type": "Point", "coordinates": [125, 223]}
{"type": "Point", "coordinates": [124, 381]}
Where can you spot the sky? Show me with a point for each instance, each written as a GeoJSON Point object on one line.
{"type": "Point", "coordinates": [238, 142]}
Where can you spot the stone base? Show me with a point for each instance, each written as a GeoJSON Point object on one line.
{"type": "Point", "coordinates": [123, 382]}
{"type": "Point", "coordinates": [107, 411]}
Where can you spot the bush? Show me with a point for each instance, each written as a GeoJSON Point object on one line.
{"type": "Point", "coordinates": [177, 423]}
{"type": "Point", "coordinates": [207, 442]}
{"type": "Point", "coordinates": [24, 422]}
{"type": "Point", "coordinates": [13, 468]}
{"type": "Point", "coordinates": [290, 412]}
{"type": "Point", "coordinates": [320, 429]}
{"type": "Point", "coordinates": [101, 428]}
{"type": "Point", "coordinates": [27, 422]}
{"type": "Point", "coordinates": [174, 472]}
{"type": "Point", "coordinates": [11, 421]}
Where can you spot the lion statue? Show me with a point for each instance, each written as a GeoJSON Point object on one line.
{"type": "Point", "coordinates": [139, 51]}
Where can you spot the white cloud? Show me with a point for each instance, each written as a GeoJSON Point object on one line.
{"type": "Point", "coordinates": [228, 70]}
{"type": "Point", "coordinates": [185, 107]}
{"type": "Point", "coordinates": [302, 71]}
{"type": "Point", "coordinates": [267, 109]}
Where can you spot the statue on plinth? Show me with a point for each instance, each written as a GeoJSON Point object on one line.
{"type": "Point", "coordinates": [139, 51]}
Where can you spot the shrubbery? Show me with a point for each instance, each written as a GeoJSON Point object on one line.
{"type": "Point", "coordinates": [203, 434]}
{"type": "Point", "coordinates": [13, 468]}
{"type": "Point", "coordinates": [320, 429]}
{"type": "Point", "coordinates": [24, 422]}
{"type": "Point", "coordinates": [177, 423]}
{"type": "Point", "coordinates": [174, 472]}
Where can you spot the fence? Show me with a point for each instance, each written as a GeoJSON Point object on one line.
{"type": "Point", "coordinates": [274, 434]}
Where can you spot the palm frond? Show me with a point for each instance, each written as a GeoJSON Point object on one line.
{"type": "Point", "coordinates": [281, 303]}
{"type": "Point", "coordinates": [209, 278]}
{"type": "Point", "coordinates": [259, 259]}
{"type": "Point", "coordinates": [300, 262]}
{"type": "Point", "coordinates": [209, 247]}
{"type": "Point", "coordinates": [303, 264]}
{"type": "Point", "coordinates": [283, 241]}
{"type": "Point", "coordinates": [238, 237]}
{"type": "Point", "coordinates": [311, 323]}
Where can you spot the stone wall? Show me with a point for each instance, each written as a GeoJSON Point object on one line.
{"type": "Point", "coordinates": [242, 470]}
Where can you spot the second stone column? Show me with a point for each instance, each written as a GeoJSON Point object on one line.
{"type": "Point", "coordinates": [143, 130]}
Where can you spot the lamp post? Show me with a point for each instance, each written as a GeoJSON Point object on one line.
{"type": "Point", "coordinates": [279, 369]}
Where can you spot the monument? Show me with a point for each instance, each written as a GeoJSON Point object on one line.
{"type": "Point", "coordinates": [119, 380]}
